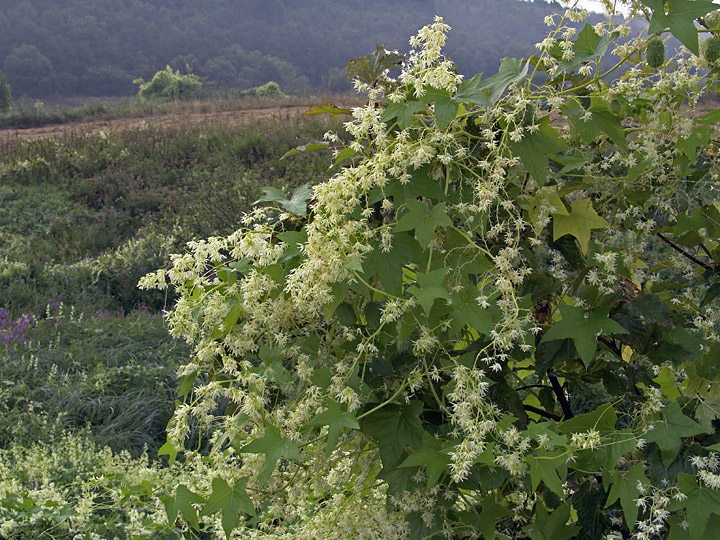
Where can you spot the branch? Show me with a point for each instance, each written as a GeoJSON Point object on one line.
{"type": "Point", "coordinates": [610, 345]}
{"type": "Point", "coordinates": [541, 412]}
{"type": "Point", "coordinates": [684, 253]}
{"type": "Point", "coordinates": [560, 395]}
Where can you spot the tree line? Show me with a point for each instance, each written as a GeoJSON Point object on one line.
{"type": "Point", "coordinates": [99, 47]}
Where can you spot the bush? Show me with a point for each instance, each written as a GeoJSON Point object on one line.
{"type": "Point", "coordinates": [169, 85]}
{"type": "Point", "coordinates": [500, 319]}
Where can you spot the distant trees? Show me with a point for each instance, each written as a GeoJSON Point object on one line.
{"type": "Point", "coordinates": [77, 47]}
{"type": "Point", "coordinates": [5, 94]}
{"type": "Point", "coordinates": [29, 70]}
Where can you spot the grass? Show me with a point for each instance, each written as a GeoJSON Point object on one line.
{"type": "Point", "coordinates": [81, 220]}
{"type": "Point", "coordinates": [111, 373]}
{"type": "Point", "coordinates": [87, 367]}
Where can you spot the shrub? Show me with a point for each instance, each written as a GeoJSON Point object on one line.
{"type": "Point", "coordinates": [269, 89]}
{"type": "Point", "coordinates": [500, 319]}
{"type": "Point", "coordinates": [169, 85]}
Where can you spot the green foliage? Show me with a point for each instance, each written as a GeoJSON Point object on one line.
{"type": "Point", "coordinates": [5, 95]}
{"type": "Point", "coordinates": [300, 46]}
{"type": "Point", "coordinates": [270, 89]}
{"type": "Point", "coordinates": [109, 372]}
{"type": "Point", "coordinates": [499, 318]}
{"type": "Point", "coordinates": [169, 85]}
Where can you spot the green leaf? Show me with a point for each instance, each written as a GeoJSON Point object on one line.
{"type": "Point", "coordinates": [304, 148]}
{"type": "Point", "coordinates": [421, 184]}
{"type": "Point", "coordinates": [274, 447]}
{"type": "Point", "coordinates": [616, 444]}
{"type": "Point", "coordinates": [546, 467]}
{"type": "Point", "coordinates": [336, 418]}
{"type": "Point", "coordinates": [625, 488]}
{"type": "Point", "coordinates": [699, 505]}
{"type": "Point", "coordinates": [431, 287]}
{"type": "Point", "coordinates": [182, 503]}
{"type": "Point", "coordinates": [707, 411]}
{"type": "Point", "coordinates": [274, 368]}
{"type": "Point", "coordinates": [681, 20]}
{"type": "Point", "coordinates": [395, 427]}
{"type": "Point", "coordinates": [545, 197]}
{"type": "Point", "coordinates": [491, 513]}
{"type": "Point", "coordinates": [344, 154]}
{"type": "Point", "coordinates": [431, 455]}
{"type": "Point", "coordinates": [340, 290]}
{"type": "Point", "coordinates": [229, 500]}
{"type": "Point", "coordinates": [534, 148]}
{"type": "Point", "coordinates": [187, 384]}
{"type": "Point", "coordinates": [168, 449]}
{"type": "Point", "coordinates": [600, 120]}
{"type": "Point", "coordinates": [467, 310]}
{"type": "Point", "coordinates": [327, 108]}
{"type": "Point", "coordinates": [584, 48]}
{"type": "Point", "coordinates": [404, 112]}
{"type": "Point", "coordinates": [583, 327]}
{"type": "Point", "coordinates": [389, 265]}
{"type": "Point", "coordinates": [581, 221]}
{"type": "Point", "coordinates": [601, 419]}
{"type": "Point", "coordinates": [445, 107]}
{"type": "Point", "coordinates": [297, 204]}
{"type": "Point", "coordinates": [471, 91]}
{"type": "Point", "coordinates": [573, 161]}
{"type": "Point", "coordinates": [511, 71]}
{"type": "Point", "coordinates": [669, 433]}
{"type": "Point", "coordinates": [418, 218]}
{"type": "Point", "coordinates": [554, 526]}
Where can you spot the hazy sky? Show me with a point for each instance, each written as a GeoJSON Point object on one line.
{"type": "Point", "coordinates": [596, 5]}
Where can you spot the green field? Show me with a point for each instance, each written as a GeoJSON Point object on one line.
{"type": "Point", "coordinates": [86, 360]}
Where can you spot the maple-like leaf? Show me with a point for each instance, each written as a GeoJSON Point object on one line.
{"type": "Point", "coordinates": [337, 419]}
{"type": "Point", "coordinates": [581, 221]}
{"type": "Point", "coordinates": [669, 433]}
{"type": "Point", "coordinates": [700, 504]}
{"type": "Point", "coordinates": [432, 456]}
{"type": "Point", "coordinates": [423, 222]}
{"type": "Point", "coordinates": [395, 427]}
{"type": "Point", "coordinates": [583, 327]}
{"type": "Point", "coordinates": [548, 468]}
{"type": "Point", "coordinates": [274, 447]}
{"type": "Point", "coordinates": [182, 503]}
{"type": "Point", "coordinates": [680, 18]}
{"type": "Point", "coordinates": [625, 488]}
{"type": "Point", "coordinates": [230, 500]}
{"type": "Point", "coordinates": [431, 287]}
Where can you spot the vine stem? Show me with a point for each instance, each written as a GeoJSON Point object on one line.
{"type": "Point", "coordinates": [682, 252]}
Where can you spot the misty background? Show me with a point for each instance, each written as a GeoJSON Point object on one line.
{"type": "Point", "coordinates": [71, 48]}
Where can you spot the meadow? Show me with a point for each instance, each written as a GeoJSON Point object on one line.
{"type": "Point", "coordinates": [88, 368]}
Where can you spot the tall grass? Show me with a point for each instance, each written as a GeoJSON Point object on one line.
{"type": "Point", "coordinates": [82, 218]}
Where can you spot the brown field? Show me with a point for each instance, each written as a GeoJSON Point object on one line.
{"type": "Point", "coordinates": [240, 117]}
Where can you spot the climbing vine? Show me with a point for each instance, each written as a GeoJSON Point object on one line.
{"type": "Point", "coordinates": [498, 319]}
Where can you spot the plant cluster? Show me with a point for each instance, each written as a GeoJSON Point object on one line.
{"type": "Point", "coordinates": [169, 85]}
{"type": "Point", "coordinates": [498, 319]}
{"type": "Point", "coordinates": [5, 95]}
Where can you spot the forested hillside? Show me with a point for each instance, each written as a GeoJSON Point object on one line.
{"type": "Point", "coordinates": [98, 47]}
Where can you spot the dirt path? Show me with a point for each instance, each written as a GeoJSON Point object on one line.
{"type": "Point", "coordinates": [241, 117]}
